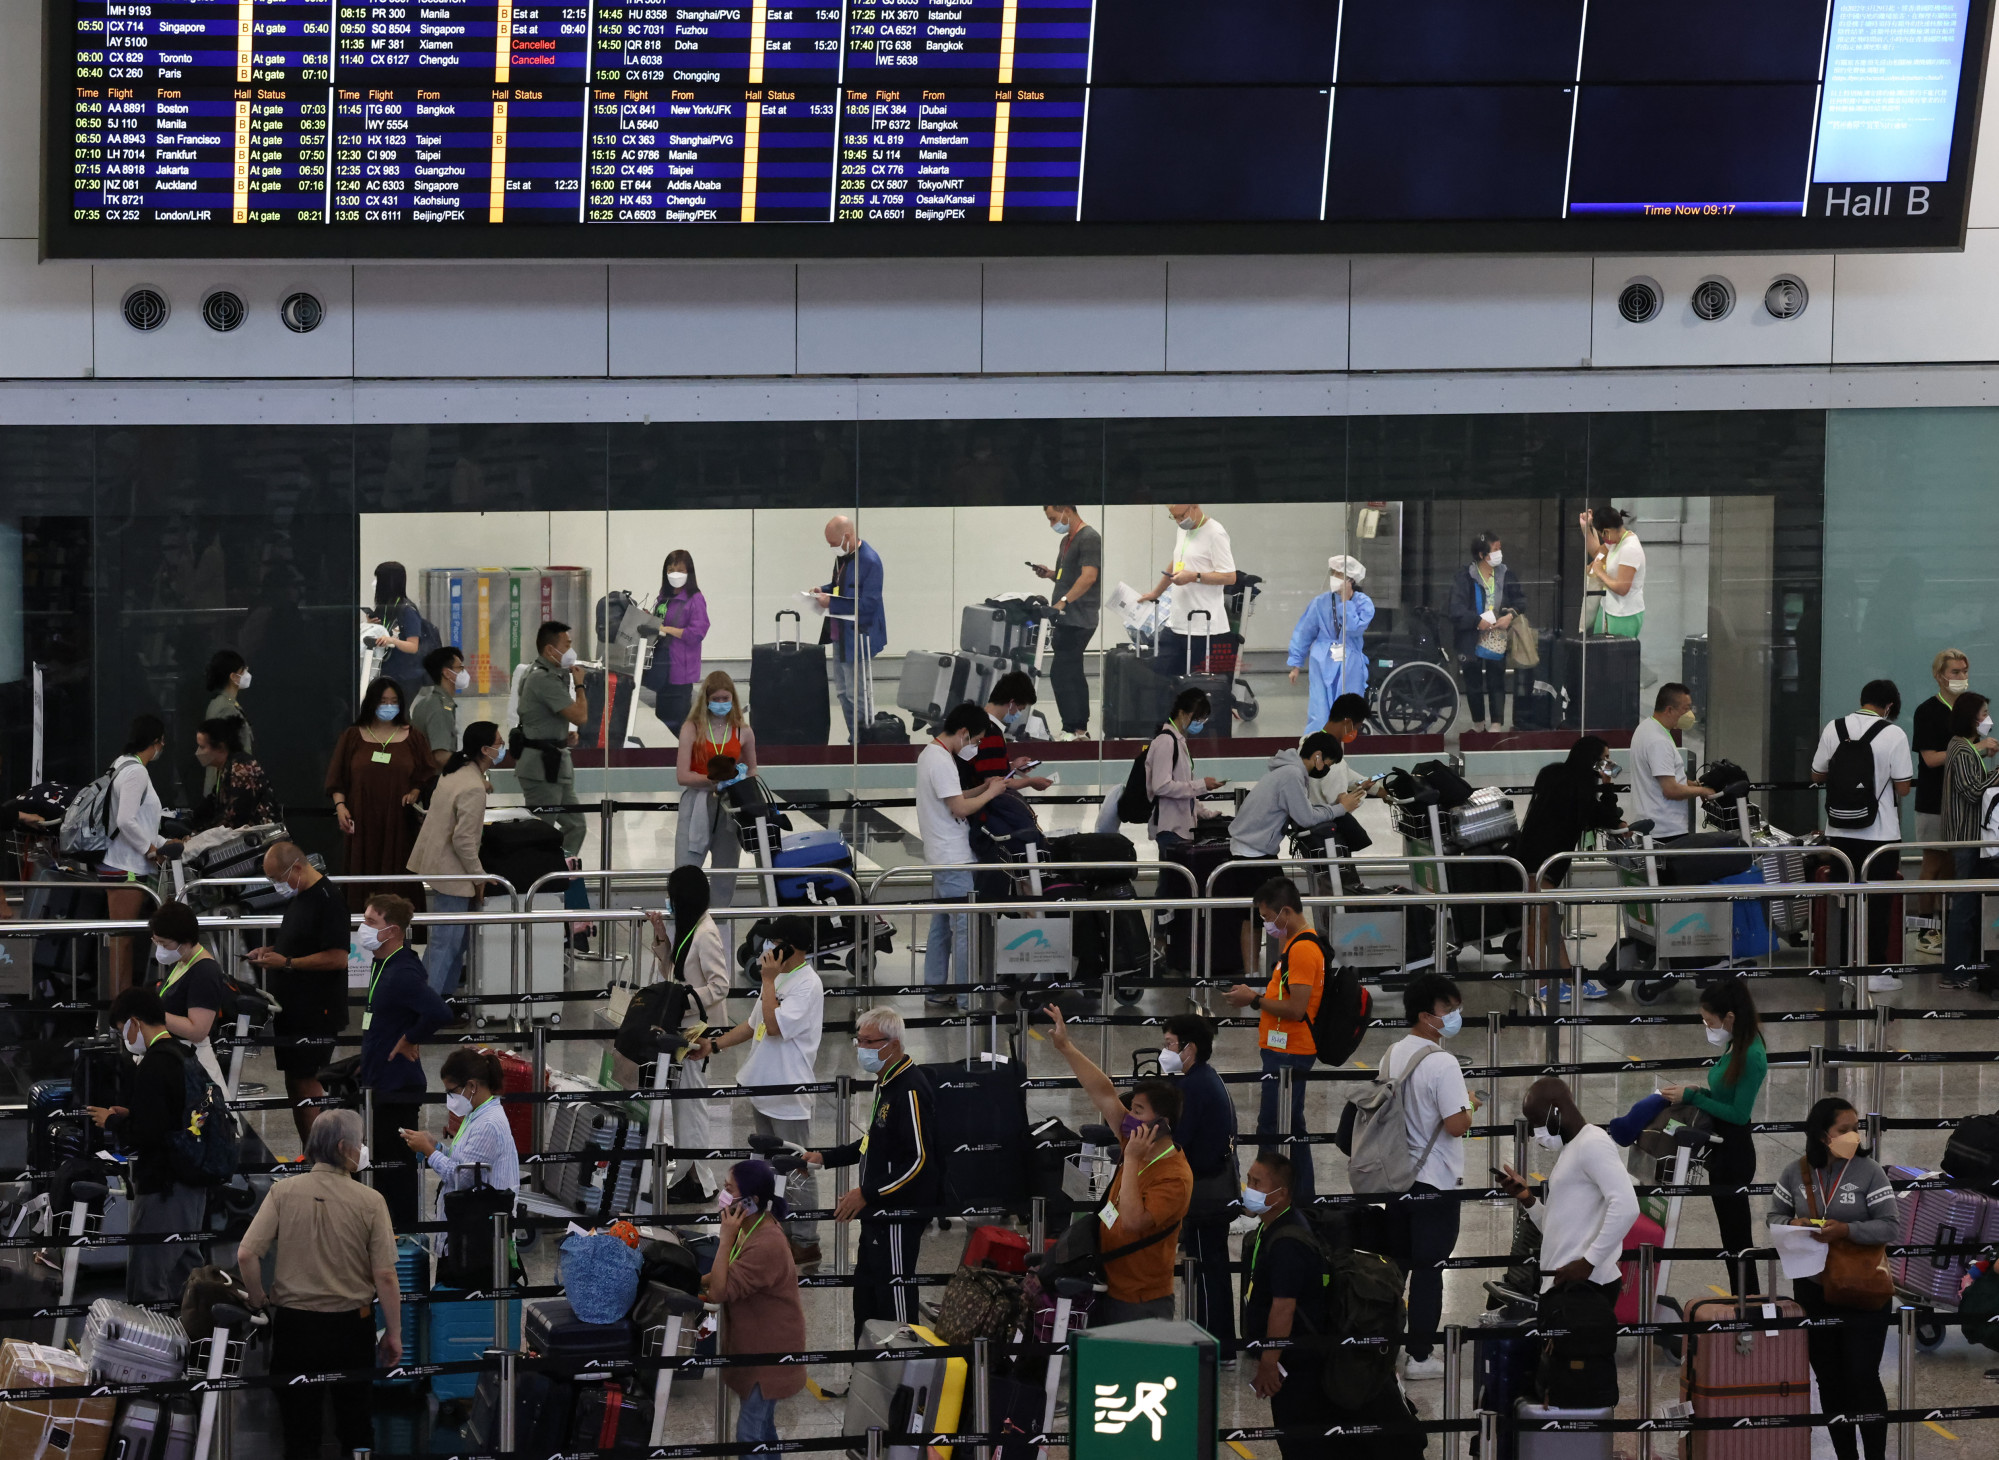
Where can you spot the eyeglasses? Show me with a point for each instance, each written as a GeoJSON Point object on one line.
{"type": "Point", "coordinates": [871, 1041]}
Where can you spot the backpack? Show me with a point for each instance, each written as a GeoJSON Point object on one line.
{"type": "Point", "coordinates": [86, 825]}
{"type": "Point", "coordinates": [205, 1146]}
{"type": "Point", "coordinates": [1374, 1133]}
{"type": "Point", "coordinates": [659, 1008]}
{"type": "Point", "coordinates": [1340, 1022]}
{"type": "Point", "coordinates": [1578, 1368]}
{"type": "Point", "coordinates": [1135, 802]}
{"type": "Point", "coordinates": [1363, 1301]}
{"type": "Point", "coordinates": [1852, 800]}
{"type": "Point", "coordinates": [427, 636]}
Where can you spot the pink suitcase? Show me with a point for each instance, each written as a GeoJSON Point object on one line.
{"type": "Point", "coordinates": [1759, 1372]}
{"type": "Point", "coordinates": [1644, 1231]}
{"type": "Point", "coordinates": [1940, 1218]}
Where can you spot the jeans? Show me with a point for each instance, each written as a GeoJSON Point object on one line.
{"type": "Point", "coordinates": [1879, 909]}
{"type": "Point", "coordinates": [1065, 672]}
{"type": "Point", "coordinates": [1175, 647]}
{"type": "Point", "coordinates": [1962, 920]}
{"type": "Point", "coordinates": [801, 1188]}
{"type": "Point", "coordinates": [1420, 1234]}
{"type": "Point", "coordinates": [1302, 1185]}
{"type": "Point", "coordinates": [1483, 678]}
{"type": "Point", "coordinates": [947, 957]}
{"type": "Point", "coordinates": [856, 691]}
{"type": "Point", "coordinates": [756, 1417]}
{"type": "Point", "coordinates": [444, 955]}
{"type": "Point", "coordinates": [671, 705]}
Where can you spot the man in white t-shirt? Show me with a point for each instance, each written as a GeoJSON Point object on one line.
{"type": "Point", "coordinates": [1616, 560]}
{"type": "Point", "coordinates": [783, 1031]}
{"type": "Point", "coordinates": [942, 807]}
{"type": "Point", "coordinates": [1588, 1204]}
{"type": "Point", "coordinates": [1893, 774]}
{"type": "Point", "coordinates": [1439, 1110]}
{"type": "Point", "coordinates": [1203, 567]}
{"type": "Point", "coordinates": [1660, 791]}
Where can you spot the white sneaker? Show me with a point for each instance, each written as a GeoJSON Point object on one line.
{"type": "Point", "coordinates": [1430, 1368]}
{"type": "Point", "coordinates": [1882, 983]}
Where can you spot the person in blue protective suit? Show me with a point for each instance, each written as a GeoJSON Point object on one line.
{"type": "Point", "coordinates": [1326, 643]}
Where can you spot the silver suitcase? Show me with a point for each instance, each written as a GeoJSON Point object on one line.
{"type": "Point", "coordinates": [1481, 823]}
{"type": "Point", "coordinates": [1540, 1444]}
{"type": "Point", "coordinates": [983, 629]}
{"type": "Point", "coordinates": [127, 1345]}
{"type": "Point", "coordinates": [932, 683]}
{"type": "Point", "coordinates": [872, 1388]}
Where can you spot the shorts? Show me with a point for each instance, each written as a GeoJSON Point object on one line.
{"type": "Point", "coordinates": [309, 1005]}
{"type": "Point", "coordinates": [1929, 826]}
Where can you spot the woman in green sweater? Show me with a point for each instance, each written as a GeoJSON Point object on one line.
{"type": "Point", "coordinates": [1733, 1083]}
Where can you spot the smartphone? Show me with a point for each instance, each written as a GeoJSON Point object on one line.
{"type": "Point", "coordinates": [1500, 1176]}
{"type": "Point", "coordinates": [1027, 766]}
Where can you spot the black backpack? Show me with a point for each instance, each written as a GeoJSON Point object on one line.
{"type": "Point", "coordinates": [1852, 800]}
{"type": "Point", "coordinates": [1344, 1004]}
{"type": "Point", "coordinates": [660, 1008]}
{"type": "Point", "coordinates": [1578, 1367]}
{"type": "Point", "coordinates": [1364, 1301]}
{"type": "Point", "coordinates": [1135, 802]}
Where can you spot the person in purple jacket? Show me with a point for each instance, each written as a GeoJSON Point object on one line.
{"type": "Point", "coordinates": [675, 666]}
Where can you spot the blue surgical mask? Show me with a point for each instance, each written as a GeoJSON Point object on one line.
{"type": "Point", "coordinates": [386, 712]}
{"type": "Point", "coordinates": [871, 1059]}
{"type": "Point", "coordinates": [499, 753]}
{"type": "Point", "coordinates": [1195, 727]}
{"type": "Point", "coordinates": [1012, 719]}
{"type": "Point", "coordinates": [1254, 1202]}
{"type": "Point", "coordinates": [1454, 1022]}
{"type": "Point", "coordinates": [1059, 527]}
{"type": "Point", "coordinates": [720, 708]}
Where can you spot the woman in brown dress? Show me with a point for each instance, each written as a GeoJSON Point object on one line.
{"type": "Point", "coordinates": [379, 768]}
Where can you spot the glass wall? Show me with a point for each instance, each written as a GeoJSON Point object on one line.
{"type": "Point", "coordinates": [127, 557]}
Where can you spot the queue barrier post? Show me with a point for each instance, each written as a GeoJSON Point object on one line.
{"type": "Point", "coordinates": [1492, 1018]}
{"type": "Point", "coordinates": [843, 1100]}
{"type": "Point", "coordinates": [540, 1079]}
{"type": "Point", "coordinates": [509, 1397]}
{"type": "Point", "coordinates": [1648, 1304]}
{"type": "Point", "coordinates": [1454, 1361]}
{"type": "Point", "coordinates": [368, 1131]}
{"type": "Point", "coordinates": [502, 1275]}
{"type": "Point", "coordinates": [1905, 1378]}
{"type": "Point", "coordinates": [721, 1389]}
{"type": "Point", "coordinates": [1488, 1433]}
{"type": "Point", "coordinates": [874, 1439]}
{"type": "Point", "coordinates": [1814, 1074]}
{"type": "Point", "coordinates": [982, 1369]}
{"type": "Point", "coordinates": [1875, 1134]}
{"type": "Point", "coordinates": [1037, 1227]}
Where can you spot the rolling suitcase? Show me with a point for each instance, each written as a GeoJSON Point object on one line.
{"type": "Point", "coordinates": [932, 684]}
{"type": "Point", "coordinates": [1596, 679]}
{"type": "Point", "coordinates": [1219, 688]}
{"type": "Point", "coordinates": [101, 1072]}
{"type": "Point", "coordinates": [1742, 1375]}
{"type": "Point", "coordinates": [917, 1394]}
{"type": "Point", "coordinates": [542, 1409]}
{"type": "Point", "coordinates": [601, 688]}
{"type": "Point", "coordinates": [1136, 696]}
{"type": "Point", "coordinates": [1504, 1363]}
{"type": "Point", "coordinates": [550, 1328]}
{"type": "Point", "coordinates": [451, 1332]}
{"type": "Point", "coordinates": [1200, 858]}
{"type": "Point", "coordinates": [788, 699]}
{"type": "Point", "coordinates": [886, 729]}
{"type": "Point", "coordinates": [1539, 1444]}
{"type": "Point", "coordinates": [981, 1114]}
{"type": "Point", "coordinates": [140, 1432]}
{"type": "Point", "coordinates": [411, 1260]}
{"type": "Point", "coordinates": [1644, 1232]}
{"type": "Point", "coordinates": [128, 1345]}
{"type": "Point", "coordinates": [985, 628]}
{"type": "Point", "coordinates": [1935, 1218]}
{"type": "Point", "coordinates": [610, 1418]}
{"type": "Point", "coordinates": [1971, 1157]}
{"type": "Point", "coordinates": [517, 1078]}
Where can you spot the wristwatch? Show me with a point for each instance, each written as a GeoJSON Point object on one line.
{"type": "Point", "coordinates": [1256, 1002]}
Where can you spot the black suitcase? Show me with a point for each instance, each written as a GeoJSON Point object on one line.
{"type": "Point", "coordinates": [100, 1071]}
{"type": "Point", "coordinates": [1090, 846]}
{"type": "Point", "coordinates": [982, 1123]}
{"type": "Point", "coordinates": [599, 731]}
{"type": "Point", "coordinates": [53, 1133]}
{"type": "Point", "coordinates": [1220, 690]}
{"type": "Point", "coordinates": [1110, 942]}
{"type": "Point", "coordinates": [1972, 1156]}
{"type": "Point", "coordinates": [521, 850]}
{"type": "Point", "coordinates": [542, 1410]}
{"type": "Point", "coordinates": [610, 1418]}
{"type": "Point", "coordinates": [788, 699]}
{"type": "Point", "coordinates": [1600, 677]}
{"type": "Point", "coordinates": [1136, 695]}
{"type": "Point", "coordinates": [1201, 858]}
{"type": "Point", "coordinates": [550, 1327]}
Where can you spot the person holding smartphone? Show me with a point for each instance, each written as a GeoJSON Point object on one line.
{"type": "Point", "coordinates": [1073, 605]}
{"type": "Point", "coordinates": [1588, 1202]}
{"type": "Point", "coordinates": [756, 1283]}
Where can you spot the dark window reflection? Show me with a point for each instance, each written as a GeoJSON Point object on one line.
{"type": "Point", "coordinates": [744, 464]}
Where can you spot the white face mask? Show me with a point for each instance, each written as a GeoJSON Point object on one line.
{"type": "Point", "coordinates": [167, 956]}
{"type": "Point", "coordinates": [361, 1158]}
{"type": "Point", "coordinates": [1337, 583]}
{"type": "Point", "coordinates": [1189, 522]}
{"type": "Point", "coordinates": [1985, 726]}
{"type": "Point", "coordinates": [1169, 1062]}
{"type": "Point", "coordinates": [1958, 686]}
{"type": "Point", "coordinates": [1548, 1140]}
{"type": "Point", "coordinates": [1716, 1035]}
{"type": "Point", "coordinates": [367, 939]}
{"type": "Point", "coordinates": [1494, 558]}
{"type": "Point", "coordinates": [458, 1103]}
{"type": "Point", "coordinates": [568, 659]}
{"type": "Point", "coordinates": [135, 1043]}
{"type": "Point", "coordinates": [676, 580]}
{"type": "Point", "coordinates": [970, 752]}
{"type": "Point", "coordinates": [461, 681]}
{"type": "Point", "coordinates": [242, 678]}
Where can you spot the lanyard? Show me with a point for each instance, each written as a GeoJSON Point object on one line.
{"type": "Point", "coordinates": [376, 977]}
{"type": "Point", "coordinates": [451, 1142]}
{"type": "Point", "coordinates": [1818, 1180]}
{"type": "Point", "coordinates": [1145, 1168]}
{"type": "Point", "coordinates": [1255, 1252]}
{"type": "Point", "coordinates": [736, 1247]}
{"type": "Point", "coordinates": [174, 976]}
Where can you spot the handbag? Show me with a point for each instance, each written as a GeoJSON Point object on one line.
{"type": "Point", "coordinates": [1523, 645]}
{"type": "Point", "coordinates": [1856, 1273]}
{"type": "Point", "coordinates": [1216, 1195]}
{"type": "Point", "coordinates": [1076, 1254]}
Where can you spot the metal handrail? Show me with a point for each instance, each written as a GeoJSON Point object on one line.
{"type": "Point", "coordinates": [352, 877]}
{"type": "Point", "coordinates": [1599, 856]}
{"type": "Point", "coordinates": [1138, 869]}
{"type": "Point", "coordinates": [660, 874]}
{"type": "Point", "coordinates": [1901, 846]}
{"type": "Point", "coordinates": [79, 884]}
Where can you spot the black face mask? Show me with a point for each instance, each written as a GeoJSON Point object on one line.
{"type": "Point", "coordinates": [1319, 774]}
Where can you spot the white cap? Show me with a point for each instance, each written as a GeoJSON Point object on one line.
{"type": "Point", "coordinates": [1348, 568]}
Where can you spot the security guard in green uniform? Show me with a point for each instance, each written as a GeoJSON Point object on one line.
{"type": "Point", "coordinates": [552, 705]}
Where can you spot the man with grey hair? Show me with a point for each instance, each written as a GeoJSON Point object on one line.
{"type": "Point", "coordinates": [305, 970]}
{"type": "Point", "coordinates": [856, 624]}
{"type": "Point", "coordinates": [902, 1174]}
{"type": "Point", "coordinates": [334, 1257]}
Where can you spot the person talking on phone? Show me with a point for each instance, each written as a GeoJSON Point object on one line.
{"type": "Point", "coordinates": [1073, 604]}
{"type": "Point", "coordinates": [402, 1010]}
{"type": "Point", "coordinates": [1587, 1204]}
{"type": "Point", "coordinates": [755, 1282]}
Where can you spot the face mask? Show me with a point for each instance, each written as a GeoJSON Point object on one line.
{"type": "Point", "coordinates": [1453, 1022]}
{"type": "Point", "coordinates": [1254, 1202]}
{"type": "Point", "coordinates": [1957, 686]}
{"type": "Point", "coordinates": [1494, 558]}
{"type": "Point", "coordinates": [457, 1103]}
{"type": "Point", "coordinates": [1336, 584]}
{"type": "Point", "coordinates": [1170, 1062]}
{"type": "Point", "coordinates": [1271, 930]}
{"type": "Point", "coordinates": [499, 752]}
{"type": "Point", "coordinates": [769, 947]}
{"type": "Point", "coordinates": [1319, 774]}
{"type": "Point", "coordinates": [242, 679]}
{"type": "Point", "coordinates": [461, 681]}
{"type": "Point", "coordinates": [720, 708]}
{"type": "Point", "coordinates": [1685, 722]}
{"type": "Point", "coordinates": [871, 1059]}
{"type": "Point", "coordinates": [1717, 1036]}
{"type": "Point", "coordinates": [1130, 1126]}
{"type": "Point", "coordinates": [1059, 527]}
{"type": "Point", "coordinates": [568, 659]}
{"type": "Point", "coordinates": [725, 1199]}
{"type": "Point", "coordinates": [361, 1159]}
{"type": "Point", "coordinates": [167, 956]}
{"type": "Point", "coordinates": [676, 580]}
{"type": "Point", "coordinates": [135, 1045]}
{"type": "Point", "coordinates": [1985, 726]}
{"type": "Point", "coordinates": [1548, 1140]}
{"type": "Point", "coordinates": [386, 712]}
{"type": "Point", "coordinates": [1845, 1146]}
{"type": "Point", "coordinates": [970, 752]}
{"type": "Point", "coordinates": [284, 890]}
{"type": "Point", "coordinates": [1010, 719]}
{"type": "Point", "coordinates": [1195, 727]}
{"type": "Point", "coordinates": [1186, 523]}
{"type": "Point", "coordinates": [367, 939]}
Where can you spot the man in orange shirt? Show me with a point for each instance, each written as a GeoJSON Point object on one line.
{"type": "Point", "coordinates": [1284, 1032]}
{"type": "Point", "coordinates": [1149, 1197]}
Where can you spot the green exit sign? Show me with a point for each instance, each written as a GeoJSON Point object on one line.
{"type": "Point", "coordinates": [1143, 1391]}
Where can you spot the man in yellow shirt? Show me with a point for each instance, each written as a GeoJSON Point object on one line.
{"type": "Point", "coordinates": [1286, 1007]}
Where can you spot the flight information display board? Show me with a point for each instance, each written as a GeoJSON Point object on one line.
{"type": "Point", "coordinates": [386, 128]}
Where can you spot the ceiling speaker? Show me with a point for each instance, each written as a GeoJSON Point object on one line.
{"type": "Point", "coordinates": [1639, 301]}
{"type": "Point", "coordinates": [1713, 299]}
{"type": "Point", "coordinates": [1786, 297]}
{"type": "Point", "coordinates": [144, 308]}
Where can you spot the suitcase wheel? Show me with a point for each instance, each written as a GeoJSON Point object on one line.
{"type": "Point", "coordinates": [1930, 1331]}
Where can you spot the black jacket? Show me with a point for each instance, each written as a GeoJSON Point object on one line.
{"type": "Point", "coordinates": [159, 1106]}
{"type": "Point", "coordinates": [1463, 609]}
{"type": "Point", "coordinates": [1567, 802]}
{"type": "Point", "coordinates": [901, 1167]}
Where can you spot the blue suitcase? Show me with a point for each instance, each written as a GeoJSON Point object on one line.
{"type": "Point", "coordinates": [815, 847]}
{"type": "Point", "coordinates": [409, 1257]}
{"type": "Point", "coordinates": [453, 1332]}
{"type": "Point", "coordinates": [1505, 1365]}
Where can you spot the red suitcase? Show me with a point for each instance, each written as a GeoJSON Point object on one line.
{"type": "Point", "coordinates": [1762, 1371]}
{"type": "Point", "coordinates": [998, 1247]}
{"type": "Point", "coordinates": [1644, 1232]}
{"type": "Point", "coordinates": [517, 1077]}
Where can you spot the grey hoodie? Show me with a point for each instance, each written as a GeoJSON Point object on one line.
{"type": "Point", "coordinates": [1273, 803]}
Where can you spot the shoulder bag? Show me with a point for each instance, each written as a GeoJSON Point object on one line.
{"type": "Point", "coordinates": [1856, 1273]}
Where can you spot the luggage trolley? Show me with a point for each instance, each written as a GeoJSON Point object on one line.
{"type": "Point", "coordinates": [817, 867]}
{"type": "Point", "coordinates": [1669, 1152]}
{"type": "Point", "coordinates": [1481, 825]}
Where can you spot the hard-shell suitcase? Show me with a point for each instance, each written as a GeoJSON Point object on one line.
{"type": "Point", "coordinates": [411, 1261]}
{"type": "Point", "coordinates": [1200, 858]}
{"type": "Point", "coordinates": [551, 1328]}
{"type": "Point", "coordinates": [1504, 1361]}
{"type": "Point", "coordinates": [100, 1072]}
{"type": "Point", "coordinates": [1136, 696]}
{"type": "Point", "coordinates": [982, 672]}
{"type": "Point", "coordinates": [984, 628]}
{"type": "Point", "coordinates": [932, 685]}
{"type": "Point", "coordinates": [610, 1418]}
{"type": "Point", "coordinates": [140, 1432]}
{"type": "Point", "coordinates": [787, 689]}
{"type": "Point", "coordinates": [128, 1345]}
{"type": "Point", "coordinates": [981, 1115]}
{"type": "Point", "coordinates": [1600, 676]}
{"type": "Point", "coordinates": [813, 848]}
{"type": "Point", "coordinates": [1939, 1218]}
{"type": "Point", "coordinates": [913, 1393]}
{"type": "Point", "coordinates": [1549, 1444]}
{"type": "Point", "coordinates": [451, 1332]}
{"type": "Point", "coordinates": [1644, 1232]}
{"type": "Point", "coordinates": [517, 1078]}
{"type": "Point", "coordinates": [1760, 1371]}
{"type": "Point", "coordinates": [542, 1408]}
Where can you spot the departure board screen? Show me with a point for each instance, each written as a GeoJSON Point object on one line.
{"type": "Point", "coordinates": [489, 128]}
